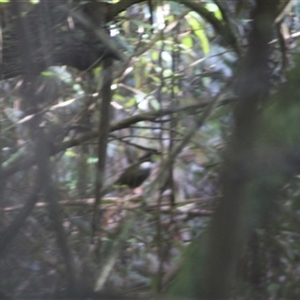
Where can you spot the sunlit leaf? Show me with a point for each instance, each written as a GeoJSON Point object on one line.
{"type": "Point", "coordinates": [119, 97]}
{"type": "Point", "coordinates": [130, 103]}
{"type": "Point", "coordinates": [48, 73]}
{"type": "Point", "coordinates": [199, 31]}
{"type": "Point", "coordinates": [187, 41]}
{"type": "Point", "coordinates": [92, 160]}
{"type": "Point", "coordinates": [212, 7]}
{"type": "Point", "coordinates": [154, 55]}
{"type": "Point", "coordinates": [155, 78]}
{"type": "Point", "coordinates": [155, 104]}
{"type": "Point", "coordinates": [167, 73]}
{"type": "Point", "coordinates": [204, 41]}
{"type": "Point", "coordinates": [70, 153]}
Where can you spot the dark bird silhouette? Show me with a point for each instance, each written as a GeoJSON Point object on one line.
{"type": "Point", "coordinates": [136, 174]}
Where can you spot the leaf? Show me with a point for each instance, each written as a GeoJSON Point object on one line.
{"type": "Point", "coordinates": [198, 28]}
{"type": "Point", "coordinates": [204, 41]}
{"type": "Point", "coordinates": [119, 97]}
{"type": "Point", "coordinates": [212, 7]}
{"type": "Point", "coordinates": [131, 102]}
{"type": "Point", "coordinates": [154, 55]}
{"type": "Point", "coordinates": [187, 41]}
{"type": "Point", "coordinates": [92, 160]}
{"type": "Point", "coordinates": [47, 73]}
{"type": "Point", "coordinates": [155, 104]}
{"type": "Point", "coordinates": [70, 153]}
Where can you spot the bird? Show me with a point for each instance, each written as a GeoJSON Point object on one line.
{"type": "Point", "coordinates": [136, 174]}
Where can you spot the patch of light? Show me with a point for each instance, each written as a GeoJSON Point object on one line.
{"type": "Point", "coordinates": [114, 31]}
{"type": "Point", "coordinates": [114, 86]}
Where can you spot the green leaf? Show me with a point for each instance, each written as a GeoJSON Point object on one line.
{"type": "Point", "coordinates": [204, 41]}
{"type": "Point", "coordinates": [212, 7]}
{"type": "Point", "coordinates": [154, 55]}
{"type": "Point", "coordinates": [70, 153]}
{"type": "Point", "coordinates": [130, 103]}
{"type": "Point", "coordinates": [155, 104]}
{"type": "Point", "coordinates": [119, 97]}
{"type": "Point", "coordinates": [187, 41]}
{"type": "Point", "coordinates": [199, 31]}
{"type": "Point", "coordinates": [47, 73]}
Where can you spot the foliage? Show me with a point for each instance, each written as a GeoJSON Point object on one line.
{"type": "Point", "coordinates": [177, 93]}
